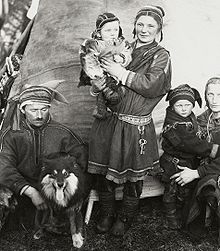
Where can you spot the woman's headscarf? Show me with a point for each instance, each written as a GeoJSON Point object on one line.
{"type": "Point", "coordinates": [213, 80]}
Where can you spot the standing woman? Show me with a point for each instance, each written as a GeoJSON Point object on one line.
{"type": "Point", "coordinates": [123, 148]}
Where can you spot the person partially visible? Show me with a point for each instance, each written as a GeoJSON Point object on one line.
{"type": "Point", "coordinates": [123, 148]}
{"type": "Point", "coordinates": [183, 145]}
{"type": "Point", "coordinates": [206, 196]}
{"type": "Point", "coordinates": [107, 42]}
{"type": "Point", "coordinates": [23, 145]}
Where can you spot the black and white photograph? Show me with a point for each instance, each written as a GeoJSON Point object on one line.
{"type": "Point", "coordinates": [109, 125]}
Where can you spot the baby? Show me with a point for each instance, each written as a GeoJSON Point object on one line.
{"type": "Point", "coordinates": [183, 146]}
{"type": "Point", "coordinates": [106, 42]}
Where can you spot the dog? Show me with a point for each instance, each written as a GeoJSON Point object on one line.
{"type": "Point", "coordinates": [65, 187]}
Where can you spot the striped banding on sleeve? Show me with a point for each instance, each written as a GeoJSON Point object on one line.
{"type": "Point", "coordinates": [130, 78]}
{"type": "Point", "coordinates": [214, 150]}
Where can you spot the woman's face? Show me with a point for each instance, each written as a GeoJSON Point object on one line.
{"type": "Point", "coordinates": [213, 97]}
{"type": "Point", "coordinates": [110, 31]}
{"type": "Point", "coordinates": [146, 29]}
{"type": "Point", "coordinates": [183, 107]}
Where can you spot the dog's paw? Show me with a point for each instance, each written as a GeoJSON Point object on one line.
{"type": "Point", "coordinates": [77, 240]}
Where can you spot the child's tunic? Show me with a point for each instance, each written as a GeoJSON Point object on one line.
{"type": "Point", "coordinates": [182, 144]}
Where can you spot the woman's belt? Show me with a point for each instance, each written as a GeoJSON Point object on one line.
{"type": "Point", "coordinates": [134, 120]}
{"type": "Point", "coordinates": [140, 122]}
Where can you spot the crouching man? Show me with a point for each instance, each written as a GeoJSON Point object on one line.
{"type": "Point", "coordinates": [22, 147]}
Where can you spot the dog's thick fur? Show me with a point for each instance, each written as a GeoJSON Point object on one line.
{"type": "Point", "coordinates": [8, 203]}
{"type": "Point", "coordinates": [64, 186]}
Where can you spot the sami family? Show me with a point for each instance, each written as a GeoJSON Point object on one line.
{"type": "Point", "coordinates": [127, 80]}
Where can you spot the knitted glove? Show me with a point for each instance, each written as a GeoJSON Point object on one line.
{"type": "Point", "coordinates": [97, 85]}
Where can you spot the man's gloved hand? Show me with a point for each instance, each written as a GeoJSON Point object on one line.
{"type": "Point", "coordinates": [36, 198]}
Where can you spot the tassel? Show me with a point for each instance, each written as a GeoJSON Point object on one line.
{"type": "Point", "coordinates": [16, 119]}
{"type": "Point", "coordinates": [11, 116]}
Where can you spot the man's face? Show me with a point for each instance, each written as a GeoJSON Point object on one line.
{"type": "Point", "coordinates": [213, 97]}
{"type": "Point", "coordinates": [37, 114]}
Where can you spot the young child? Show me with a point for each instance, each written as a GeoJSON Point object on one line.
{"type": "Point", "coordinates": [106, 42]}
{"type": "Point", "coordinates": [183, 146]}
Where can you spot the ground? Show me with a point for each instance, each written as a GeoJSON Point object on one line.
{"type": "Point", "coordinates": [146, 234]}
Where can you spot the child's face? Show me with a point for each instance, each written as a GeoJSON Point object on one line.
{"type": "Point", "coordinates": [183, 107]}
{"type": "Point", "coordinates": [109, 31]}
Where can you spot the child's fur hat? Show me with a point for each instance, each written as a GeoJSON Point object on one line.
{"type": "Point", "coordinates": [103, 19]}
{"type": "Point", "coordinates": [184, 92]}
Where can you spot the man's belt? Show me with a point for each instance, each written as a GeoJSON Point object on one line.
{"type": "Point", "coordinates": [176, 161]}
{"type": "Point", "coordinates": [134, 120]}
{"type": "Point", "coordinates": [170, 158]}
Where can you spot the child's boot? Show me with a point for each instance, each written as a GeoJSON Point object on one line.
{"type": "Point", "coordinates": [171, 217]}
{"type": "Point", "coordinates": [107, 210]}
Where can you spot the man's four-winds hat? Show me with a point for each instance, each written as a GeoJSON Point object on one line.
{"type": "Point", "coordinates": [43, 93]}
